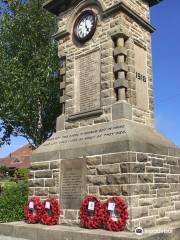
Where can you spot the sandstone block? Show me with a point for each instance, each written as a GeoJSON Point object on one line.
{"type": "Point", "coordinates": [121, 179]}
{"type": "Point", "coordinates": [36, 183]}
{"type": "Point", "coordinates": [160, 185]}
{"type": "Point", "coordinates": [110, 190]}
{"type": "Point", "coordinates": [97, 180]}
{"type": "Point", "coordinates": [164, 170]}
{"type": "Point", "coordinates": [138, 212]}
{"type": "Point", "coordinates": [108, 169]}
{"type": "Point", "coordinates": [172, 179]}
{"type": "Point", "coordinates": [106, 85]}
{"type": "Point", "coordinates": [142, 157]}
{"type": "Point", "coordinates": [153, 212]}
{"type": "Point", "coordinates": [162, 212]}
{"type": "Point", "coordinates": [134, 189]}
{"type": "Point", "coordinates": [162, 192]}
{"type": "Point", "coordinates": [146, 201]}
{"type": "Point", "coordinates": [175, 216]}
{"type": "Point", "coordinates": [160, 180]}
{"type": "Point", "coordinates": [148, 222]}
{"type": "Point", "coordinates": [162, 202]}
{"type": "Point", "coordinates": [145, 178]}
{"type": "Point", "coordinates": [175, 170]}
{"type": "Point", "coordinates": [41, 192]}
{"type": "Point", "coordinates": [132, 167]}
{"type": "Point", "coordinates": [172, 161]}
{"type": "Point", "coordinates": [92, 171]}
{"type": "Point", "coordinates": [175, 187]}
{"type": "Point", "coordinates": [93, 189]}
{"type": "Point", "coordinates": [55, 175]}
{"type": "Point", "coordinates": [152, 169]}
{"type": "Point", "coordinates": [53, 190]}
{"type": "Point", "coordinates": [40, 166]}
{"type": "Point", "coordinates": [49, 182]}
{"type": "Point", "coordinates": [163, 220]}
{"type": "Point", "coordinates": [177, 205]}
{"type": "Point", "coordinates": [114, 158]}
{"type": "Point", "coordinates": [43, 174]}
{"type": "Point", "coordinates": [54, 165]}
{"type": "Point", "coordinates": [95, 160]}
{"type": "Point", "coordinates": [156, 162]}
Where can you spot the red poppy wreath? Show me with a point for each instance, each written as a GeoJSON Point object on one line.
{"type": "Point", "coordinates": [50, 212]}
{"type": "Point", "coordinates": [89, 213]}
{"type": "Point", "coordinates": [32, 210]}
{"type": "Point", "coordinates": [114, 214]}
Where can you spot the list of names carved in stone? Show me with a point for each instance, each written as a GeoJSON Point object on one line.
{"type": "Point", "coordinates": [88, 77]}
{"type": "Point", "coordinates": [71, 184]}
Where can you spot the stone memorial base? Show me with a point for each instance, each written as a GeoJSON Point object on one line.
{"type": "Point", "coordinates": [38, 232]}
{"type": "Point", "coordinates": [109, 159]}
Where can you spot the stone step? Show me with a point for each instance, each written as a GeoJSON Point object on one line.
{"type": "Point", "coordinates": [60, 232]}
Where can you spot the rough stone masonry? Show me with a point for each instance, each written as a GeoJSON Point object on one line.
{"type": "Point", "coordinates": [106, 143]}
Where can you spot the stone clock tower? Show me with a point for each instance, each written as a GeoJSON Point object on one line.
{"type": "Point", "coordinates": [106, 143]}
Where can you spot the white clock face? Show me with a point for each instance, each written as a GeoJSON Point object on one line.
{"type": "Point", "coordinates": [85, 26]}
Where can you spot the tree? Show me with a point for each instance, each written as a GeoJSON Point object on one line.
{"type": "Point", "coordinates": [3, 170]}
{"type": "Point", "coordinates": [29, 83]}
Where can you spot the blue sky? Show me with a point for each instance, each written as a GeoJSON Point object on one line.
{"type": "Point", "coordinates": [166, 65]}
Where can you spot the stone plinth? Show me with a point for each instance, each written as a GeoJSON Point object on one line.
{"type": "Point", "coordinates": [37, 232]}
{"type": "Point", "coordinates": [119, 158]}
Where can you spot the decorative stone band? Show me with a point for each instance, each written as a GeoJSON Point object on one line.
{"type": "Point", "coordinates": [121, 83]}
{"type": "Point", "coordinates": [121, 67]}
{"type": "Point", "coordinates": [120, 36]}
{"type": "Point", "coordinates": [120, 51]}
{"type": "Point", "coordinates": [62, 99]}
{"type": "Point", "coordinates": [63, 71]}
{"type": "Point", "coordinates": [62, 85]}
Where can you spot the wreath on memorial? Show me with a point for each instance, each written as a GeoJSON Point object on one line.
{"type": "Point", "coordinates": [90, 213]}
{"type": "Point", "coordinates": [50, 212]}
{"type": "Point", "coordinates": [114, 214]}
{"type": "Point", "coordinates": [32, 210]}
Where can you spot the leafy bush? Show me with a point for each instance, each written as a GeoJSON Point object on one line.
{"type": "Point", "coordinates": [12, 201]}
{"type": "Point", "coordinates": [22, 174]}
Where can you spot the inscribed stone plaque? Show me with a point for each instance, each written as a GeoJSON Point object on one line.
{"type": "Point", "coordinates": [87, 82]}
{"type": "Point", "coordinates": [141, 78]}
{"type": "Point", "coordinates": [72, 183]}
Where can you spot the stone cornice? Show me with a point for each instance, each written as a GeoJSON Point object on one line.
{"type": "Point", "coordinates": [110, 11]}
{"type": "Point", "coordinates": [153, 2]}
{"type": "Point", "coordinates": [123, 7]}
{"type": "Point", "coordinates": [58, 6]}
{"type": "Point", "coordinates": [59, 35]}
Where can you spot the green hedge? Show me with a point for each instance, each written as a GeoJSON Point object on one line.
{"type": "Point", "coordinates": [12, 201]}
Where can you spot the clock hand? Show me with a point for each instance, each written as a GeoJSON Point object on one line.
{"type": "Point", "coordinates": [86, 27]}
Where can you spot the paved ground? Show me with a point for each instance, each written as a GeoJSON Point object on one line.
{"type": "Point", "coordinates": [10, 238]}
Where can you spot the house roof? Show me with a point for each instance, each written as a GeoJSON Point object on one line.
{"type": "Point", "coordinates": [18, 159]}
{"type": "Point", "coordinates": [56, 6]}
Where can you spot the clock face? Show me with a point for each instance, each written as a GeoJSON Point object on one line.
{"type": "Point", "coordinates": [85, 26]}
